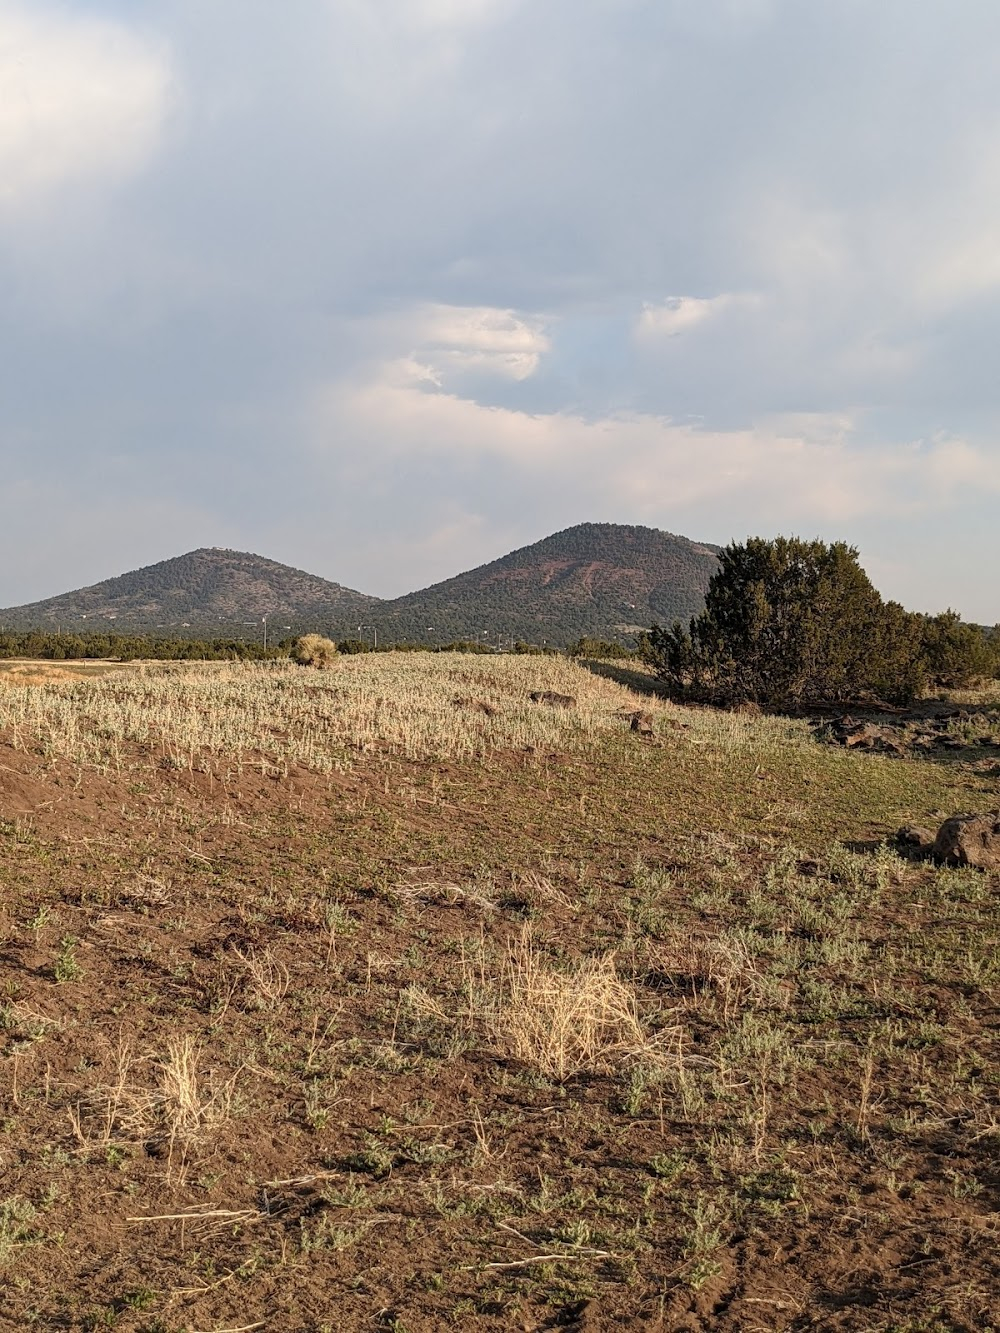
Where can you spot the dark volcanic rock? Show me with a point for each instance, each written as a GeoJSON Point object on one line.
{"type": "Point", "coordinates": [642, 723]}
{"type": "Point", "coordinates": [866, 736]}
{"type": "Point", "coordinates": [969, 840]}
{"type": "Point", "coordinates": [916, 837]}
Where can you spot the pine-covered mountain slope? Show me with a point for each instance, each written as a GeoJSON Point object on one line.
{"type": "Point", "coordinates": [607, 580]}
{"type": "Point", "coordinates": [209, 591]}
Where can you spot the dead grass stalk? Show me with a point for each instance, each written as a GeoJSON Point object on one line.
{"type": "Point", "coordinates": [563, 1021]}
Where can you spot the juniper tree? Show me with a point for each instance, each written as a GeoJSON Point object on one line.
{"type": "Point", "coordinates": [788, 623]}
{"type": "Point", "coordinates": [957, 653]}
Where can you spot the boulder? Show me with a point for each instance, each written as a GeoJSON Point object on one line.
{"type": "Point", "coordinates": [969, 840]}
{"type": "Point", "coordinates": [642, 723]}
{"type": "Point", "coordinates": [915, 837]}
{"type": "Point", "coordinates": [865, 736]}
{"type": "Point", "coordinates": [551, 698]}
{"type": "Point", "coordinates": [856, 735]}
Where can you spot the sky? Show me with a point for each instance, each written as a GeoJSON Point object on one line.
{"type": "Point", "coordinates": [384, 289]}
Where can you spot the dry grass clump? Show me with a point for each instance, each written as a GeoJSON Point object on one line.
{"type": "Point", "coordinates": [426, 891]}
{"type": "Point", "coordinates": [145, 892]}
{"type": "Point", "coordinates": [314, 650]}
{"type": "Point", "coordinates": [177, 1113]}
{"type": "Point", "coordinates": [562, 1021]}
{"type": "Point", "coordinates": [722, 966]}
{"type": "Point", "coordinates": [185, 1103]}
{"type": "Point", "coordinates": [266, 977]}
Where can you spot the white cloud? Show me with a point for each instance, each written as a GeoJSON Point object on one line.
{"type": "Point", "coordinates": [80, 99]}
{"type": "Point", "coordinates": [467, 164]}
{"type": "Point", "coordinates": [793, 471]}
{"type": "Point", "coordinates": [449, 342]}
{"type": "Point", "coordinates": [680, 314]}
{"type": "Point", "coordinates": [393, 17]}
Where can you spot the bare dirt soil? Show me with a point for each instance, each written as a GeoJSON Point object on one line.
{"type": "Point", "coordinates": [286, 1049]}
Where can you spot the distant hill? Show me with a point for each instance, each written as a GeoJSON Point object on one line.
{"type": "Point", "coordinates": [608, 580]}
{"type": "Point", "coordinates": [206, 592]}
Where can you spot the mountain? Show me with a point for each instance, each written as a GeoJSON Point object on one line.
{"type": "Point", "coordinates": [607, 580]}
{"type": "Point", "coordinates": [209, 591]}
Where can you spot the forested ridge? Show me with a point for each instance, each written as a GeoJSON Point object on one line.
{"type": "Point", "coordinates": [607, 580]}
{"type": "Point", "coordinates": [603, 580]}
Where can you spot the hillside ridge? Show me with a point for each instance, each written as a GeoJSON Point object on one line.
{"type": "Point", "coordinates": [607, 580]}
{"type": "Point", "coordinates": [208, 590]}
{"type": "Point", "coordinates": [602, 579]}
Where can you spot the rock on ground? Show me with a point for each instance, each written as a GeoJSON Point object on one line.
{"type": "Point", "coordinates": [969, 840]}
{"type": "Point", "coordinates": [917, 837]}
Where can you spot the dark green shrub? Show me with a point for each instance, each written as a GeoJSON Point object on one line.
{"type": "Point", "coordinates": [957, 654]}
{"type": "Point", "coordinates": [601, 649]}
{"type": "Point", "coordinates": [790, 623]}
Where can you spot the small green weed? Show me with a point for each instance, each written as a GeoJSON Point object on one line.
{"type": "Point", "coordinates": [67, 967]}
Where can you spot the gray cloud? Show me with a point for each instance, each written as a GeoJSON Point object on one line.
{"type": "Point", "coordinates": [384, 287]}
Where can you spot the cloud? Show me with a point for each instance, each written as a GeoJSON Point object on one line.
{"type": "Point", "coordinates": [790, 470]}
{"type": "Point", "coordinates": [460, 482]}
{"type": "Point", "coordinates": [81, 99]}
{"type": "Point", "coordinates": [680, 314]}
{"type": "Point", "coordinates": [479, 338]}
{"type": "Point", "coordinates": [717, 265]}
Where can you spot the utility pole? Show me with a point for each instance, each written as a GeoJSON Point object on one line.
{"type": "Point", "coordinates": [264, 623]}
{"type": "Point", "coordinates": [374, 630]}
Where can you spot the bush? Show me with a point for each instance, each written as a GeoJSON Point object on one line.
{"type": "Point", "coordinates": [600, 649]}
{"type": "Point", "coordinates": [992, 637]}
{"type": "Point", "coordinates": [957, 654]}
{"type": "Point", "coordinates": [463, 646]}
{"type": "Point", "coordinates": [789, 623]}
{"type": "Point", "coordinates": [524, 649]}
{"type": "Point", "coordinates": [315, 651]}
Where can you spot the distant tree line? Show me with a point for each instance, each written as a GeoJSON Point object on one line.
{"type": "Point", "coordinates": [791, 624]}
{"type": "Point", "coordinates": [59, 647]}
{"type": "Point", "coordinates": [130, 648]}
